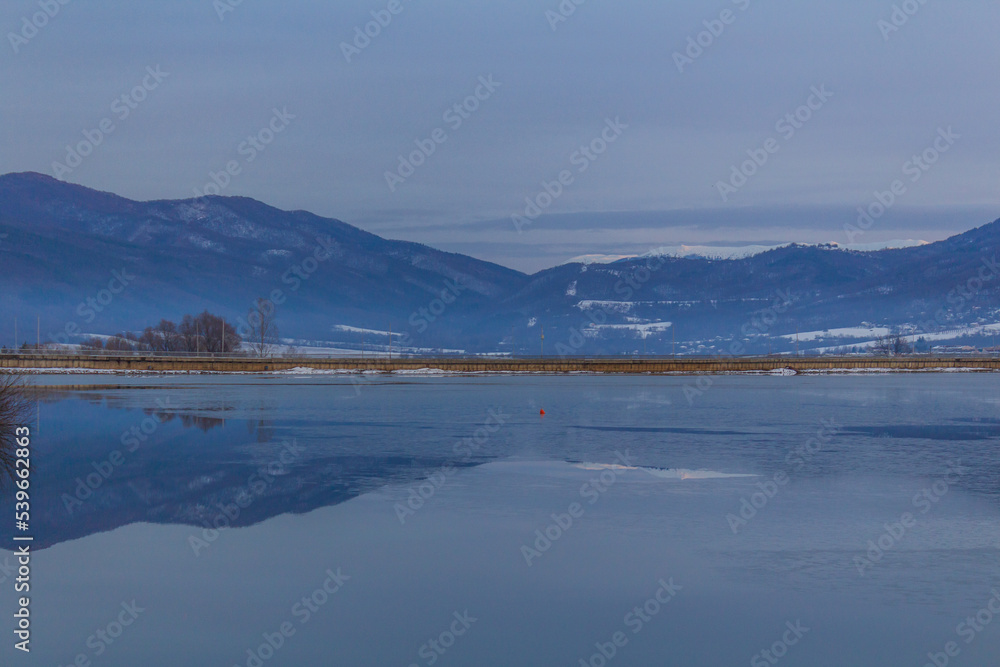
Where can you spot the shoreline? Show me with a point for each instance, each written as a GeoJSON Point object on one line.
{"type": "Point", "coordinates": [153, 365]}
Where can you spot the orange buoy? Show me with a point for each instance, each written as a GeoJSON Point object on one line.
{"type": "Point", "coordinates": [541, 412]}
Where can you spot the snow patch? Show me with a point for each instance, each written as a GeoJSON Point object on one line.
{"type": "Point", "coordinates": [205, 244]}
{"type": "Point", "coordinates": [846, 332]}
{"type": "Point", "coordinates": [663, 473]}
{"type": "Point", "coordinates": [644, 329]}
{"type": "Point", "coordinates": [744, 251]}
{"type": "Point", "coordinates": [348, 329]}
{"type": "Point", "coordinates": [607, 306]}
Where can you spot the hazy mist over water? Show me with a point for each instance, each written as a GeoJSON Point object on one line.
{"type": "Point", "coordinates": [700, 87]}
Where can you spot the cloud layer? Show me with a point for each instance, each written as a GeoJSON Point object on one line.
{"type": "Point", "coordinates": [477, 108]}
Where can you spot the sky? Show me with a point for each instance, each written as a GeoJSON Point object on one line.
{"type": "Point", "coordinates": [580, 129]}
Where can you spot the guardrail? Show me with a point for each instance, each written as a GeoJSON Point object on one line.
{"type": "Point", "coordinates": [395, 355]}
{"type": "Point", "coordinates": [144, 362]}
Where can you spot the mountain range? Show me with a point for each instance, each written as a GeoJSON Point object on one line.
{"type": "Point", "coordinates": [89, 262]}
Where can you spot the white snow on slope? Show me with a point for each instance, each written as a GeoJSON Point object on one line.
{"type": "Point", "coordinates": [671, 473]}
{"type": "Point", "coordinates": [930, 337]}
{"type": "Point", "coordinates": [347, 329]}
{"type": "Point", "coordinates": [607, 306]}
{"type": "Point", "coordinates": [598, 259]}
{"type": "Point", "coordinates": [712, 252]}
{"type": "Point", "coordinates": [846, 332]}
{"type": "Point", "coordinates": [742, 252]}
{"type": "Point", "coordinates": [644, 329]}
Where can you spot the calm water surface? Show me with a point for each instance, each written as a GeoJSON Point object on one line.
{"type": "Point", "coordinates": [406, 520]}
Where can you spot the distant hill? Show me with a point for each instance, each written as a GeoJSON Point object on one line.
{"type": "Point", "coordinates": [61, 244]}
{"type": "Point", "coordinates": [64, 241]}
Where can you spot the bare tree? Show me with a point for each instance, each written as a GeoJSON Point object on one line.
{"type": "Point", "coordinates": [892, 345]}
{"type": "Point", "coordinates": [92, 343]}
{"type": "Point", "coordinates": [123, 342]}
{"type": "Point", "coordinates": [15, 410]}
{"type": "Point", "coordinates": [263, 330]}
{"type": "Point", "coordinates": [207, 333]}
{"type": "Point", "coordinates": [196, 333]}
{"type": "Point", "coordinates": [164, 337]}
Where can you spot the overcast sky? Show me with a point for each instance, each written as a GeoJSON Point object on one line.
{"type": "Point", "coordinates": [673, 126]}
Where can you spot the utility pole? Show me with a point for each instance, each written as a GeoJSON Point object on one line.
{"type": "Point", "coordinates": [543, 341]}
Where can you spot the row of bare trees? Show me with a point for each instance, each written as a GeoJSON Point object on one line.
{"type": "Point", "coordinates": [892, 345]}
{"type": "Point", "coordinates": [196, 333]}
{"type": "Point", "coordinates": [204, 333]}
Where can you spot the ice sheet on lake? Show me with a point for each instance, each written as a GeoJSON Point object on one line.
{"type": "Point", "coordinates": [665, 473]}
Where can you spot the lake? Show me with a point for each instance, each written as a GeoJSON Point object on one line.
{"type": "Point", "coordinates": [444, 520]}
